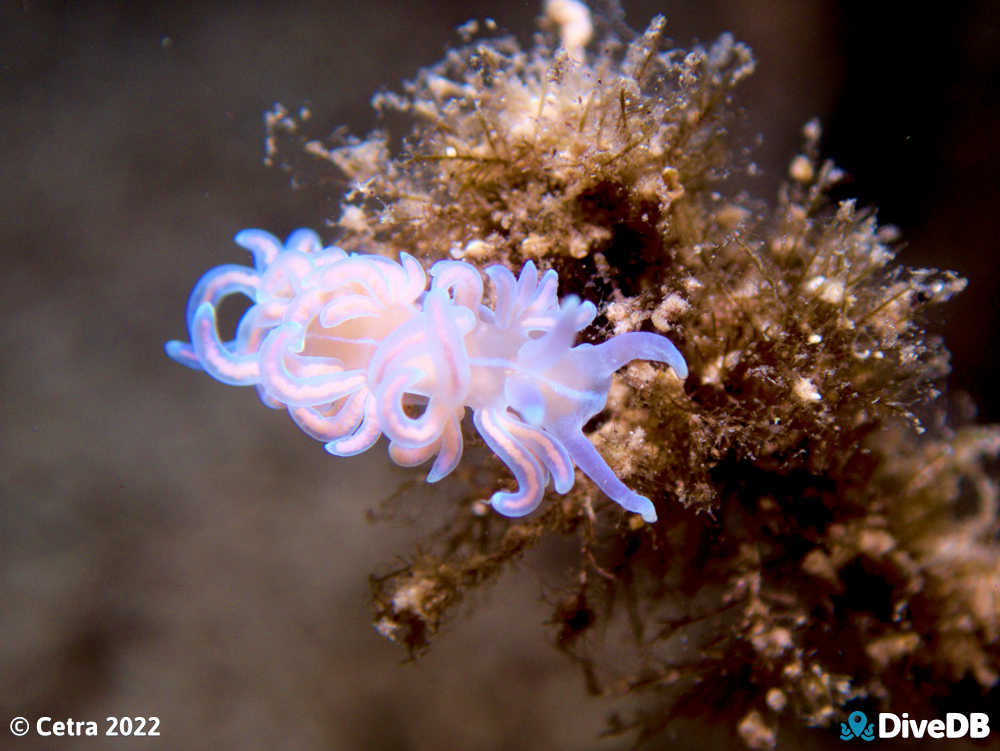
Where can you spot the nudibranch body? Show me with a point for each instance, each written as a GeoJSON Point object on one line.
{"type": "Point", "coordinates": [354, 345]}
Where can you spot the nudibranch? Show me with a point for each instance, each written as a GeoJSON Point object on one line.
{"type": "Point", "coordinates": [356, 345]}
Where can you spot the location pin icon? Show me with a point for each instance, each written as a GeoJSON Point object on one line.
{"type": "Point", "coordinates": [857, 721]}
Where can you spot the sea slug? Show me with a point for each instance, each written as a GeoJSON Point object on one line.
{"type": "Point", "coordinates": [356, 345]}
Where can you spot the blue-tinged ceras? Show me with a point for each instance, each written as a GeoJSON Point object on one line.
{"type": "Point", "coordinates": [345, 341]}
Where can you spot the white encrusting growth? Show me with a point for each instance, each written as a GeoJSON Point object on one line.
{"type": "Point", "coordinates": [575, 27]}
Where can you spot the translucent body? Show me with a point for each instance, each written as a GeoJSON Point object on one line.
{"type": "Point", "coordinates": [355, 345]}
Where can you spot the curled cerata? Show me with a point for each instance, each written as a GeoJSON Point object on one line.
{"type": "Point", "coordinates": [345, 342]}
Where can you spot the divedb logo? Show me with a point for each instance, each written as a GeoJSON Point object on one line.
{"type": "Point", "coordinates": [954, 725]}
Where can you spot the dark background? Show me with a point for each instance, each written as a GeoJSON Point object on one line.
{"type": "Point", "coordinates": [168, 546]}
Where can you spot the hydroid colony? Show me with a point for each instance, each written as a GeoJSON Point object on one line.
{"type": "Point", "coordinates": [825, 539]}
